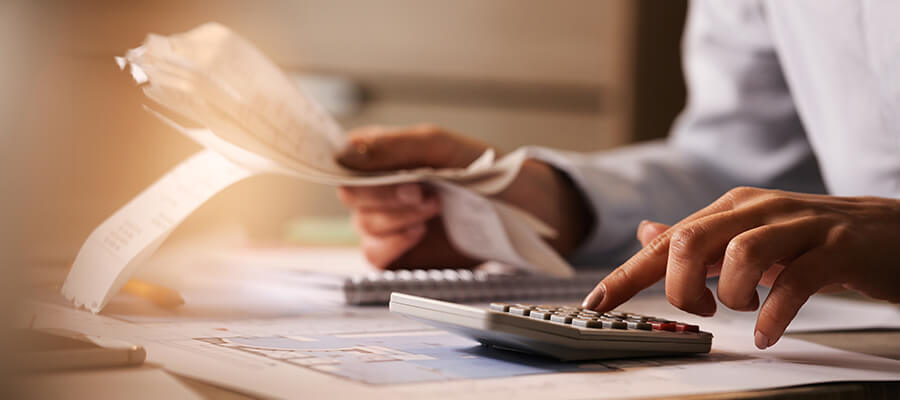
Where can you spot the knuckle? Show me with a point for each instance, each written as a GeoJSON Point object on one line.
{"type": "Point", "coordinates": [840, 234]}
{"type": "Point", "coordinates": [623, 275]}
{"type": "Point", "coordinates": [778, 202]}
{"type": "Point", "coordinates": [621, 280]}
{"type": "Point", "coordinates": [739, 195]}
{"type": "Point", "coordinates": [742, 192]}
{"type": "Point", "coordinates": [744, 249]}
{"type": "Point", "coordinates": [657, 246]}
{"type": "Point", "coordinates": [685, 240]}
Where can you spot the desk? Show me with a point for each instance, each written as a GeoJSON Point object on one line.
{"type": "Point", "coordinates": [876, 342]}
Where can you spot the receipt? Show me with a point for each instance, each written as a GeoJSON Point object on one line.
{"type": "Point", "coordinates": [257, 121]}
{"type": "Point", "coordinates": [127, 238]}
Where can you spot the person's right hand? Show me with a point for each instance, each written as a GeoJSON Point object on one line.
{"type": "Point", "coordinates": [797, 244]}
{"type": "Point", "coordinates": [398, 223]}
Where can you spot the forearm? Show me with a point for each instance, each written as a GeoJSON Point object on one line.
{"type": "Point", "coordinates": [622, 187]}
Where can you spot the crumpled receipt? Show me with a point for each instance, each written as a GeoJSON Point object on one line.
{"type": "Point", "coordinates": [256, 121]}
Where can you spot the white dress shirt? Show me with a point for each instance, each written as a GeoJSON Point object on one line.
{"type": "Point", "coordinates": [800, 95]}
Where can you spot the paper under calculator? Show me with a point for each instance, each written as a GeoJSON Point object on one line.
{"type": "Point", "coordinates": [562, 332]}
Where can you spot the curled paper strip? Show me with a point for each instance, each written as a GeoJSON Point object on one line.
{"type": "Point", "coordinates": [257, 122]}
{"type": "Point", "coordinates": [130, 236]}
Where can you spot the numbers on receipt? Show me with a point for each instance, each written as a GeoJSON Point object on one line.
{"type": "Point", "coordinates": [133, 232]}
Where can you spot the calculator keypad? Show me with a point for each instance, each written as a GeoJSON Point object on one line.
{"type": "Point", "coordinates": [584, 318]}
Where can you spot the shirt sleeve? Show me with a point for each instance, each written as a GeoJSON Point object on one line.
{"type": "Point", "coordinates": [740, 128]}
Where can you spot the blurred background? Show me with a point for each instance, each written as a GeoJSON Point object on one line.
{"type": "Point", "coordinates": [574, 74]}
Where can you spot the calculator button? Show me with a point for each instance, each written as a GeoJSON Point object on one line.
{"type": "Point", "coordinates": [639, 325]}
{"type": "Point", "coordinates": [578, 316]}
{"type": "Point", "coordinates": [562, 319]}
{"type": "Point", "coordinates": [574, 314]}
{"type": "Point", "coordinates": [663, 326]}
{"type": "Point", "coordinates": [518, 310]}
{"type": "Point", "coordinates": [613, 324]}
{"type": "Point", "coordinates": [681, 327]}
{"type": "Point", "coordinates": [587, 323]}
{"type": "Point", "coordinates": [540, 314]}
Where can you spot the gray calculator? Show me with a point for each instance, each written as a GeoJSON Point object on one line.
{"type": "Point", "coordinates": [561, 332]}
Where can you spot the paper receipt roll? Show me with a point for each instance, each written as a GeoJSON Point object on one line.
{"type": "Point", "coordinates": [131, 235]}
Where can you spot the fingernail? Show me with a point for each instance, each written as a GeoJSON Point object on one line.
{"type": "Point", "coordinates": [762, 341]}
{"type": "Point", "coordinates": [356, 153]}
{"type": "Point", "coordinates": [361, 147]}
{"type": "Point", "coordinates": [410, 193]}
{"type": "Point", "coordinates": [595, 297]}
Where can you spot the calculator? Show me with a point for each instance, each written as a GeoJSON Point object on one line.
{"type": "Point", "coordinates": [562, 332]}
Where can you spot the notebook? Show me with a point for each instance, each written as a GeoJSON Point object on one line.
{"type": "Point", "coordinates": [342, 275]}
{"type": "Point", "coordinates": [457, 285]}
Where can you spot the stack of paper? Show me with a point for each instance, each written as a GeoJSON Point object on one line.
{"type": "Point", "coordinates": [257, 121]}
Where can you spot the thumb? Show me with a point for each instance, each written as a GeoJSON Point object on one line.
{"type": "Point", "coordinates": [648, 230]}
{"type": "Point", "coordinates": [376, 148]}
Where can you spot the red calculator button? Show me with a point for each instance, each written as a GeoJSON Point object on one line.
{"type": "Point", "coordinates": [663, 326]}
{"type": "Point", "coordinates": [679, 327]}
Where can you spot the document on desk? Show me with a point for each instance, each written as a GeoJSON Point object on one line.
{"type": "Point", "coordinates": [256, 121]}
{"type": "Point", "coordinates": [370, 353]}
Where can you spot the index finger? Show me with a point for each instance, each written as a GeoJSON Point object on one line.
{"type": "Point", "coordinates": [638, 273]}
{"type": "Point", "coordinates": [646, 267]}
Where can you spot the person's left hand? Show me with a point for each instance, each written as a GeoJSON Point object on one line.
{"type": "Point", "coordinates": [798, 244]}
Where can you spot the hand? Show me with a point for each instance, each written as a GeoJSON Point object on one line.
{"type": "Point", "coordinates": [399, 224]}
{"type": "Point", "coordinates": [798, 244]}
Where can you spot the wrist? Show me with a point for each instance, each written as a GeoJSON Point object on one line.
{"type": "Point", "coordinates": [550, 195]}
